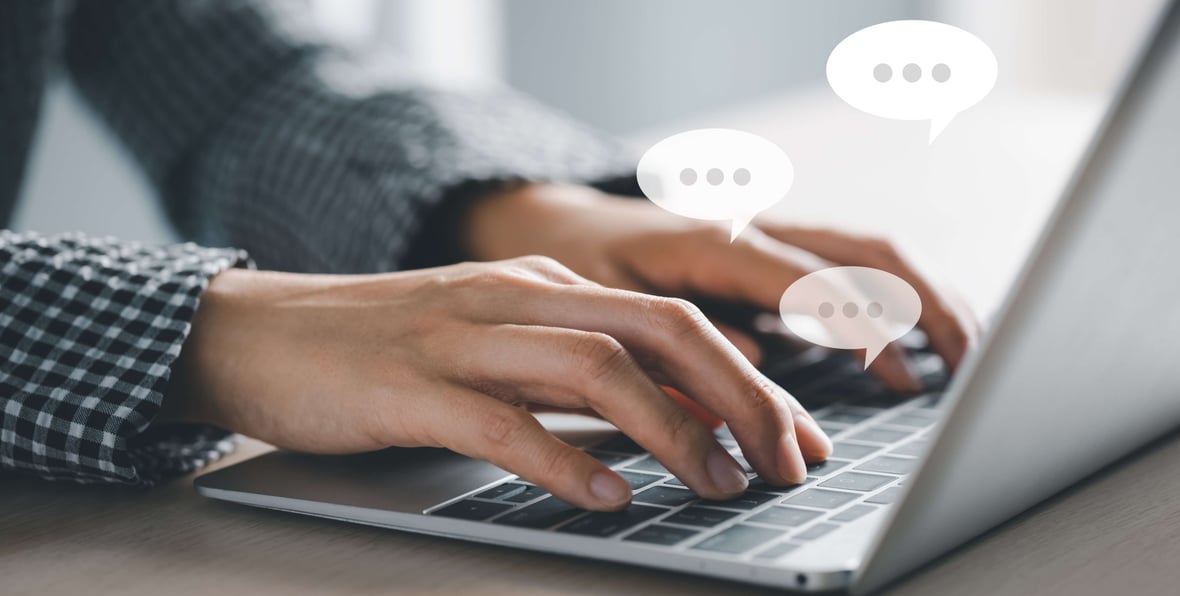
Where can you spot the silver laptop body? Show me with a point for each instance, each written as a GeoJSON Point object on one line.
{"type": "Point", "coordinates": [1078, 372]}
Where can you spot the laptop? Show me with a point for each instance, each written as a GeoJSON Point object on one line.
{"type": "Point", "coordinates": [1077, 372]}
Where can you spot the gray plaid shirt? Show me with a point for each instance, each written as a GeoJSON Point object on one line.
{"type": "Point", "coordinates": [257, 136]}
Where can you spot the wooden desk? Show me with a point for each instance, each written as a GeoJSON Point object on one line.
{"type": "Point", "coordinates": [1117, 533]}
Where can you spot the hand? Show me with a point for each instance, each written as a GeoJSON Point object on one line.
{"type": "Point", "coordinates": [444, 358]}
{"type": "Point", "coordinates": [627, 243]}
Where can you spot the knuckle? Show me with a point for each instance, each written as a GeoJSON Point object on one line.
{"type": "Point", "coordinates": [681, 315]}
{"type": "Point", "coordinates": [681, 428]}
{"type": "Point", "coordinates": [759, 396]}
{"type": "Point", "coordinates": [502, 428]}
{"type": "Point", "coordinates": [539, 263]}
{"type": "Point", "coordinates": [600, 356]}
{"type": "Point", "coordinates": [553, 463]}
{"type": "Point", "coordinates": [882, 249]}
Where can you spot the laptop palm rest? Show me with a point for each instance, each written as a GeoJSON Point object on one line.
{"type": "Point", "coordinates": [406, 480]}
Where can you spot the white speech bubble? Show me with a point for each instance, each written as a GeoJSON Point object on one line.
{"type": "Point", "coordinates": [913, 70]}
{"type": "Point", "coordinates": [716, 174]}
{"type": "Point", "coordinates": [850, 308]}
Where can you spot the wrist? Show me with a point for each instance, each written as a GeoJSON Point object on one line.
{"type": "Point", "coordinates": [185, 397]}
{"type": "Point", "coordinates": [507, 224]}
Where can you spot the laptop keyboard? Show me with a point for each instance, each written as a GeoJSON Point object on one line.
{"type": "Point", "coordinates": [874, 448]}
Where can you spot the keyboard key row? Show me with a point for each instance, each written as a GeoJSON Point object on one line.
{"type": "Point", "coordinates": [609, 523]}
{"type": "Point", "coordinates": [661, 534]}
{"type": "Point", "coordinates": [542, 514]}
{"type": "Point", "coordinates": [821, 499]}
{"type": "Point", "coordinates": [737, 540]}
{"type": "Point", "coordinates": [666, 496]}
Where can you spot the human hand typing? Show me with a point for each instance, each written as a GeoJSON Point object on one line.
{"type": "Point", "coordinates": [627, 243]}
{"type": "Point", "coordinates": [448, 357]}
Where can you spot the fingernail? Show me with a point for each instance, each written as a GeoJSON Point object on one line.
{"type": "Point", "coordinates": [725, 473]}
{"type": "Point", "coordinates": [819, 446]}
{"type": "Point", "coordinates": [609, 489]}
{"type": "Point", "coordinates": [790, 460]}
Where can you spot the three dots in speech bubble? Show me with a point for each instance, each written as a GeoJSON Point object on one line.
{"type": "Point", "coordinates": [731, 175]}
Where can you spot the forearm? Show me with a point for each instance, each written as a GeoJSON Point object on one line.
{"type": "Point", "coordinates": [260, 136]}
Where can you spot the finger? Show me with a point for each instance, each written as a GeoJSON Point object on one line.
{"type": "Point", "coordinates": [579, 369]}
{"type": "Point", "coordinates": [539, 408]}
{"type": "Point", "coordinates": [698, 411]}
{"type": "Point", "coordinates": [742, 341]}
{"type": "Point", "coordinates": [673, 337]}
{"type": "Point", "coordinates": [543, 268]}
{"type": "Point", "coordinates": [945, 318]}
{"type": "Point", "coordinates": [482, 427]}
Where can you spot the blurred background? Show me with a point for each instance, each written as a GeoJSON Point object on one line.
{"type": "Point", "coordinates": [644, 68]}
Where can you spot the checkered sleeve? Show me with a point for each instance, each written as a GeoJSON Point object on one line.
{"type": "Point", "coordinates": [262, 136]}
{"type": "Point", "coordinates": [89, 328]}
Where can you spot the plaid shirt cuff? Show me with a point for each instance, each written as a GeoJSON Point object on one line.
{"type": "Point", "coordinates": [89, 328]}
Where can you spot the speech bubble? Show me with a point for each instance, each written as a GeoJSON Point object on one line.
{"type": "Point", "coordinates": [913, 70]}
{"type": "Point", "coordinates": [716, 174]}
{"type": "Point", "coordinates": [850, 308]}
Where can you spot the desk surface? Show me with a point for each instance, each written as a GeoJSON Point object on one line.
{"type": "Point", "coordinates": [1117, 533]}
{"type": "Point", "coordinates": [978, 195]}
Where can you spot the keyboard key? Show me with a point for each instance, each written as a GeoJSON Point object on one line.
{"type": "Point", "coordinates": [476, 510]}
{"type": "Point", "coordinates": [760, 485]}
{"type": "Point", "coordinates": [814, 532]}
{"type": "Point", "coordinates": [666, 496]}
{"type": "Point", "coordinates": [700, 516]}
{"type": "Point", "coordinates": [912, 449]}
{"type": "Point", "coordinates": [504, 490]}
{"type": "Point", "coordinates": [748, 500]}
{"type": "Point", "coordinates": [889, 465]}
{"type": "Point", "coordinates": [824, 468]}
{"type": "Point", "coordinates": [529, 493]}
{"type": "Point", "coordinates": [637, 480]}
{"type": "Point", "coordinates": [660, 534]}
{"type": "Point", "coordinates": [886, 496]}
{"type": "Point", "coordinates": [542, 514]}
{"type": "Point", "coordinates": [830, 428]}
{"type": "Point", "coordinates": [843, 417]}
{"type": "Point", "coordinates": [737, 540]}
{"type": "Point", "coordinates": [620, 444]}
{"type": "Point", "coordinates": [880, 435]}
{"type": "Point", "coordinates": [609, 459]}
{"type": "Point", "coordinates": [915, 419]}
{"type": "Point", "coordinates": [648, 464]}
{"type": "Point", "coordinates": [609, 523]}
{"type": "Point", "coordinates": [820, 498]}
{"type": "Point", "coordinates": [785, 516]}
{"type": "Point", "coordinates": [854, 512]}
{"type": "Point", "coordinates": [777, 551]}
{"type": "Point", "coordinates": [844, 450]}
{"type": "Point", "coordinates": [860, 482]}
